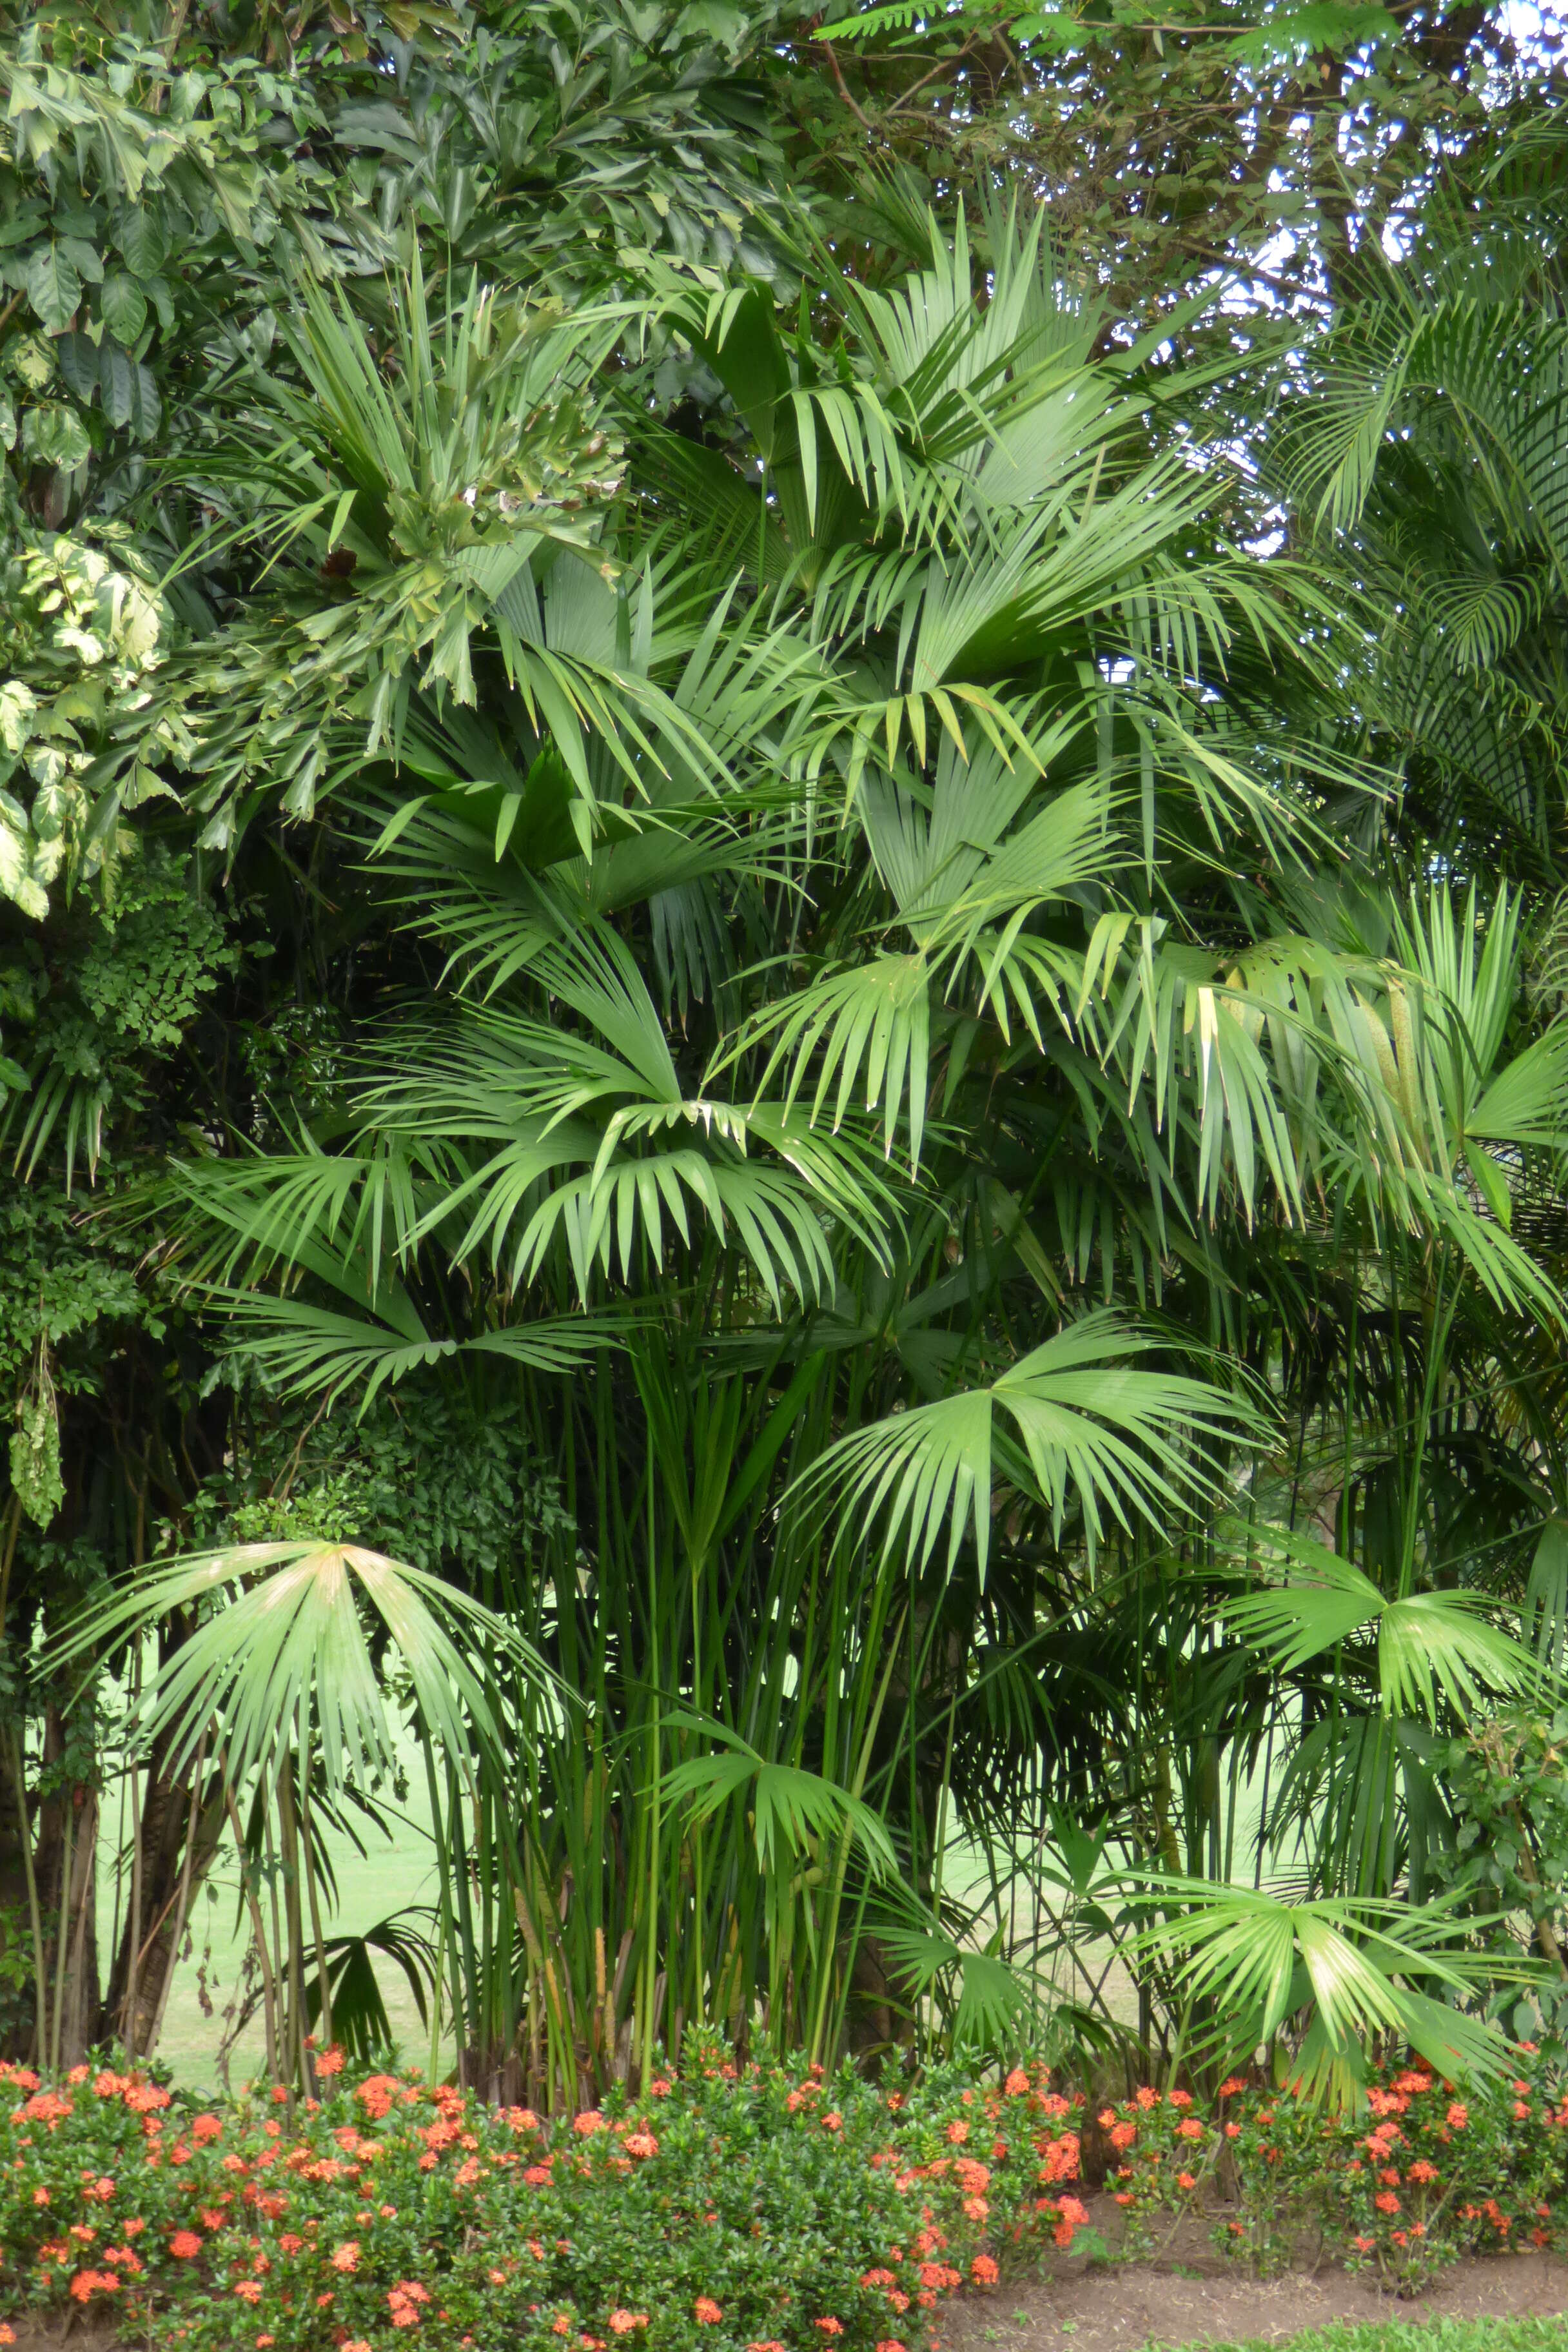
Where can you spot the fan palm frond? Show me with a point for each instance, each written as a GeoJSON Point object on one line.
{"type": "Point", "coordinates": [1086, 1427]}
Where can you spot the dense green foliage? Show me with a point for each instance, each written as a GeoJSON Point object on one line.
{"type": "Point", "coordinates": [780, 1027]}
{"type": "Point", "coordinates": [723, 2209]}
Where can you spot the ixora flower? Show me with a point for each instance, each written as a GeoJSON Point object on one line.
{"type": "Point", "coordinates": [622, 2322]}
{"type": "Point", "coordinates": [87, 2283]}
{"type": "Point", "coordinates": [707, 2312]}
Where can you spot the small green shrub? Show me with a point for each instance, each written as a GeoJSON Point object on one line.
{"type": "Point", "coordinates": [761, 2209]}
{"type": "Point", "coordinates": [1418, 2178]}
{"type": "Point", "coordinates": [730, 2209]}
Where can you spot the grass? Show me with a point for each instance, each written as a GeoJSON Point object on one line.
{"type": "Point", "coordinates": [1415, 2336]}
{"type": "Point", "coordinates": [390, 1875]}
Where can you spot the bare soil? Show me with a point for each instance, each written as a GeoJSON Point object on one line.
{"type": "Point", "coordinates": [1190, 2296]}
{"type": "Point", "coordinates": [35, 2333]}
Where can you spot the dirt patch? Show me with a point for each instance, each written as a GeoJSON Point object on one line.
{"type": "Point", "coordinates": [35, 2333]}
{"type": "Point", "coordinates": [1191, 2295]}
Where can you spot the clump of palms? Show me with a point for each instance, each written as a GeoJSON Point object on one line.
{"type": "Point", "coordinates": [816, 843]}
{"type": "Point", "coordinates": [867, 1057]}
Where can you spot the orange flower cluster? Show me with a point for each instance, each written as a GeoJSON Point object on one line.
{"type": "Point", "coordinates": [258, 2231]}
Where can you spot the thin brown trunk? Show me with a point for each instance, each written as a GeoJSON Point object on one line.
{"type": "Point", "coordinates": [175, 1822]}
{"type": "Point", "coordinates": [35, 1915]}
{"type": "Point", "coordinates": [258, 1930]}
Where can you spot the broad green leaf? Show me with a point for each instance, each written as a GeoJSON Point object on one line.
{"type": "Point", "coordinates": [54, 286]}
{"type": "Point", "coordinates": [124, 307]}
{"type": "Point", "coordinates": [56, 435]}
{"type": "Point", "coordinates": [141, 240]}
{"type": "Point", "coordinates": [145, 409]}
{"type": "Point", "coordinates": [116, 370]}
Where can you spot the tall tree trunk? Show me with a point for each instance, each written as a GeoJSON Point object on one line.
{"type": "Point", "coordinates": [165, 1822]}
{"type": "Point", "coordinates": [65, 1866]}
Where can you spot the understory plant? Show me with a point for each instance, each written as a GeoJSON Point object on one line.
{"type": "Point", "coordinates": [731, 2206]}
{"type": "Point", "coordinates": [1417, 2173]}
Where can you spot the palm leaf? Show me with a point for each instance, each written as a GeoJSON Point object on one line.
{"type": "Point", "coordinates": [1123, 1443]}
{"type": "Point", "coordinates": [792, 1809]}
{"type": "Point", "coordinates": [277, 1655]}
{"type": "Point", "coordinates": [1430, 1646]}
{"type": "Point", "coordinates": [1359, 1962]}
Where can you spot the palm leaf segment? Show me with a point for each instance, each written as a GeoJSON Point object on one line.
{"type": "Point", "coordinates": [1073, 1420]}
{"type": "Point", "coordinates": [1363, 1967]}
{"type": "Point", "coordinates": [281, 1664]}
{"type": "Point", "coordinates": [791, 1810]}
{"type": "Point", "coordinates": [966, 882]}
{"type": "Point", "coordinates": [498, 1134]}
{"type": "Point", "coordinates": [1382, 1083]}
{"type": "Point", "coordinates": [1430, 1648]}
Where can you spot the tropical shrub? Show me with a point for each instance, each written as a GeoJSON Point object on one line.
{"type": "Point", "coordinates": [733, 2206]}
{"type": "Point", "coordinates": [687, 833]}
{"type": "Point", "coordinates": [1416, 2177]}
{"type": "Point", "coordinates": [1509, 1855]}
{"type": "Point", "coordinates": [1158, 2153]}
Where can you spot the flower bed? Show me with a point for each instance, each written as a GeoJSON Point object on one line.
{"type": "Point", "coordinates": [759, 2210]}
{"type": "Point", "coordinates": [729, 2212]}
{"type": "Point", "coordinates": [1415, 2180]}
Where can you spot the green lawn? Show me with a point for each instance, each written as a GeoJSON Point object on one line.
{"type": "Point", "coordinates": [392, 1874]}
{"type": "Point", "coordinates": [1421, 2335]}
